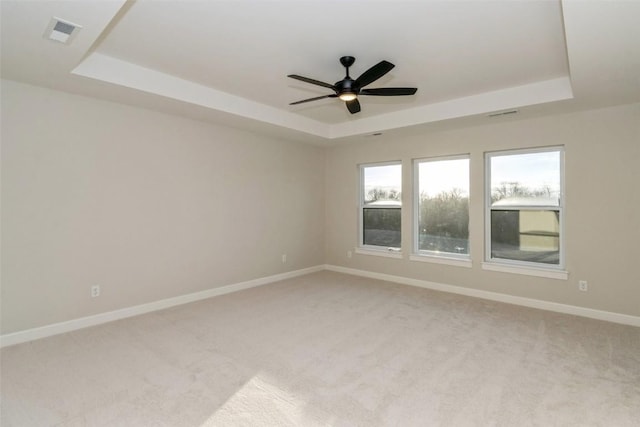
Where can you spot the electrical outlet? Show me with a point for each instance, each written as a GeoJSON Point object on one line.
{"type": "Point", "coordinates": [583, 286]}
{"type": "Point", "coordinates": [95, 291]}
{"type": "Point", "coordinates": [349, 254]}
{"type": "Point", "coordinates": [284, 258]}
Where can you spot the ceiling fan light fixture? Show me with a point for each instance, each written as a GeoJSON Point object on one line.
{"type": "Point", "coordinates": [347, 96]}
{"type": "Point", "coordinates": [348, 90]}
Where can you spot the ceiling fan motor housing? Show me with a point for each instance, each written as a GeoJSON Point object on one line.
{"type": "Point", "coordinates": [347, 85]}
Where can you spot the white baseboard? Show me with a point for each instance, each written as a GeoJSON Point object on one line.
{"type": "Point", "coordinates": [83, 322]}
{"type": "Point", "coordinates": [495, 296]}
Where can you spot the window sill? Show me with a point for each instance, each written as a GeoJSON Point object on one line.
{"type": "Point", "coordinates": [379, 252]}
{"type": "Point", "coordinates": [528, 271]}
{"type": "Point", "coordinates": [458, 262]}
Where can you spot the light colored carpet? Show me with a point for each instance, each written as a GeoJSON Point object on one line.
{"type": "Point", "coordinates": [329, 349]}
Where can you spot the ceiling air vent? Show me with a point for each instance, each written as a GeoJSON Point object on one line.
{"type": "Point", "coordinates": [502, 113]}
{"type": "Point", "coordinates": [61, 31]}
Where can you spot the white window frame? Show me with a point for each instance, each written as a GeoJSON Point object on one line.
{"type": "Point", "coordinates": [525, 267]}
{"type": "Point", "coordinates": [390, 252]}
{"type": "Point", "coordinates": [449, 258]}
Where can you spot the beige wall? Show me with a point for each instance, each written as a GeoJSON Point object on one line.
{"type": "Point", "coordinates": [148, 206]}
{"type": "Point", "coordinates": [602, 234]}
{"type": "Point", "coordinates": [152, 206]}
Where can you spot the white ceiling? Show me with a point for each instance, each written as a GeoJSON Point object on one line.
{"type": "Point", "coordinates": [227, 61]}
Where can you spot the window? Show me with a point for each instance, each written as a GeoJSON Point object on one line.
{"type": "Point", "coordinates": [441, 189]}
{"type": "Point", "coordinates": [380, 206]}
{"type": "Point", "coordinates": [524, 216]}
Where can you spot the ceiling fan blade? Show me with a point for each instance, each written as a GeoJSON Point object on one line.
{"type": "Point", "coordinates": [389, 91]}
{"type": "Point", "coordinates": [353, 106]}
{"type": "Point", "coordinates": [314, 99]}
{"type": "Point", "coordinates": [374, 73]}
{"type": "Point", "coordinates": [312, 81]}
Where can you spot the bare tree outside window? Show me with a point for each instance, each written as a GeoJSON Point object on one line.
{"type": "Point", "coordinates": [443, 206]}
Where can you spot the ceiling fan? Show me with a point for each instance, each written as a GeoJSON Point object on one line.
{"type": "Point", "coordinates": [348, 89]}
